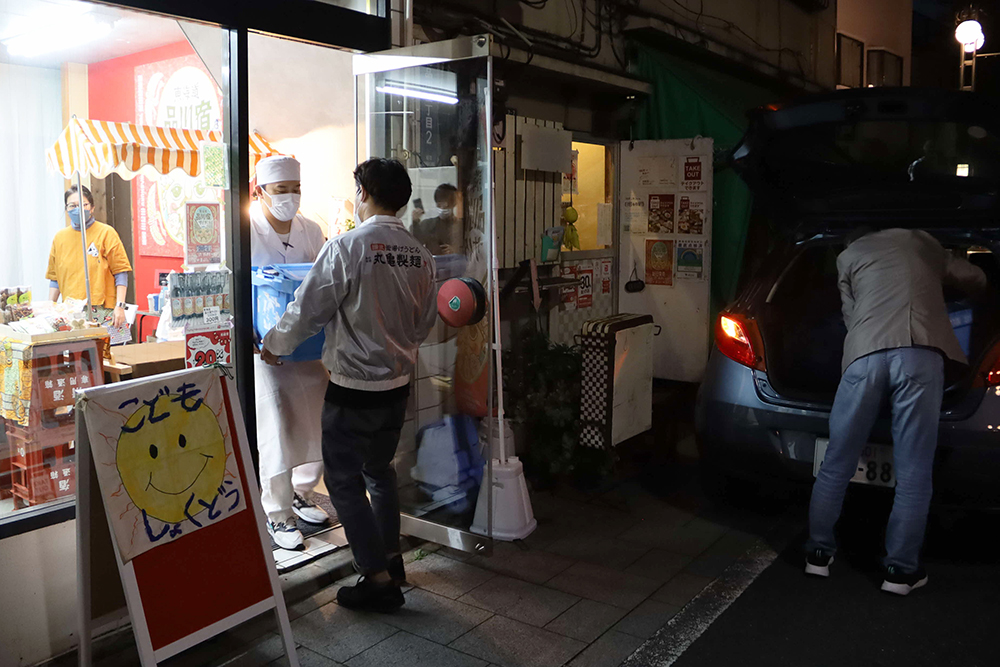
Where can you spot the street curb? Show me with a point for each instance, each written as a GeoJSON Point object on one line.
{"type": "Point", "coordinates": [670, 641]}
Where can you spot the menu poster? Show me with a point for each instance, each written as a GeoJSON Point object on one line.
{"type": "Point", "coordinates": [659, 262]}
{"type": "Point", "coordinates": [204, 237]}
{"type": "Point", "coordinates": [661, 214]}
{"type": "Point", "coordinates": [691, 212]}
{"type": "Point", "coordinates": [690, 260]}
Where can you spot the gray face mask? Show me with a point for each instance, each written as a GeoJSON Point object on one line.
{"type": "Point", "coordinates": [74, 218]}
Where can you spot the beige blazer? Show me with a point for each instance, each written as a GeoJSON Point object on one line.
{"type": "Point", "coordinates": [890, 285]}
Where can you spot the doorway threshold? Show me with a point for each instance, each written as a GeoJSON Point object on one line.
{"type": "Point", "coordinates": [316, 546]}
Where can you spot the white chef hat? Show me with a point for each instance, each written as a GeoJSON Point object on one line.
{"type": "Point", "coordinates": [278, 168]}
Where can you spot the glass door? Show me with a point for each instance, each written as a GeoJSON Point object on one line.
{"type": "Point", "coordinates": [429, 107]}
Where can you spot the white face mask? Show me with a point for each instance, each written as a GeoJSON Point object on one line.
{"type": "Point", "coordinates": [283, 207]}
{"type": "Point", "coordinates": [444, 212]}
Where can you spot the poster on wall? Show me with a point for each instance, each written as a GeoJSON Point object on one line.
{"type": "Point", "coordinates": [571, 181]}
{"type": "Point", "coordinates": [164, 459]}
{"type": "Point", "coordinates": [690, 261]}
{"type": "Point", "coordinates": [659, 262]}
{"type": "Point", "coordinates": [675, 262]}
{"type": "Point", "coordinates": [658, 171]}
{"type": "Point", "coordinates": [203, 231]}
{"type": "Point", "coordinates": [694, 173]}
{"type": "Point", "coordinates": [605, 276]}
{"type": "Point", "coordinates": [634, 213]}
{"type": "Point", "coordinates": [585, 287]}
{"type": "Point", "coordinates": [605, 224]}
{"type": "Point", "coordinates": [568, 293]}
{"type": "Point", "coordinates": [691, 212]}
{"type": "Point", "coordinates": [176, 93]}
{"type": "Point", "coordinates": [661, 214]}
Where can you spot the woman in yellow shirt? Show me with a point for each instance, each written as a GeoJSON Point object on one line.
{"type": "Point", "coordinates": [107, 261]}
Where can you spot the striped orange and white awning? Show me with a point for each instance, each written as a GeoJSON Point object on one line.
{"type": "Point", "coordinates": [100, 148]}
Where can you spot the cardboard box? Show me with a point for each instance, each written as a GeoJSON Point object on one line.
{"type": "Point", "coordinates": [147, 359]}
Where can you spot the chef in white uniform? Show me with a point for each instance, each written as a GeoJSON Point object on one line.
{"type": "Point", "coordinates": [290, 396]}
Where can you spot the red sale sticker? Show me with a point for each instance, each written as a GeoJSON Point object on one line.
{"type": "Point", "coordinates": [205, 348]}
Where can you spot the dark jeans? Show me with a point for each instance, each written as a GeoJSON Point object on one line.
{"type": "Point", "coordinates": [359, 444]}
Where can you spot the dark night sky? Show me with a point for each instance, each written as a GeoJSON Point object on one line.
{"type": "Point", "coordinates": [936, 53]}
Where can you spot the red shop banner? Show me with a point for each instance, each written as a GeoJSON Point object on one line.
{"type": "Point", "coordinates": [176, 93]}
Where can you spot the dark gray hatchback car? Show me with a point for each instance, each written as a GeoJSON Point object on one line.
{"type": "Point", "coordinates": [821, 167]}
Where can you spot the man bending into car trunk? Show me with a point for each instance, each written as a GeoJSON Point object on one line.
{"type": "Point", "coordinates": [898, 335]}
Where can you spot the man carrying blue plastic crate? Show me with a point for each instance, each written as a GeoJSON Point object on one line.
{"type": "Point", "coordinates": [289, 397]}
{"type": "Point", "coordinates": [373, 291]}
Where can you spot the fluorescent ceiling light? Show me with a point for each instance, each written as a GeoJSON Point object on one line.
{"type": "Point", "coordinates": [57, 36]}
{"type": "Point", "coordinates": [37, 16]}
{"type": "Point", "coordinates": [370, 64]}
{"type": "Point", "coordinates": [419, 94]}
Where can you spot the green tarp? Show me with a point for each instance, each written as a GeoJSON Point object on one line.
{"type": "Point", "coordinates": [690, 100]}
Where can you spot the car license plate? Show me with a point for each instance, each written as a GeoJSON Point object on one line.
{"type": "Point", "coordinates": [874, 467]}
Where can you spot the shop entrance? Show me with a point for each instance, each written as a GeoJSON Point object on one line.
{"type": "Point", "coordinates": [430, 107]}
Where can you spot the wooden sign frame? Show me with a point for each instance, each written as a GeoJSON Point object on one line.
{"type": "Point", "coordinates": [241, 590]}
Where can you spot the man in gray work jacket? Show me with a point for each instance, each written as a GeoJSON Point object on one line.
{"type": "Point", "coordinates": [898, 335]}
{"type": "Point", "coordinates": [372, 290]}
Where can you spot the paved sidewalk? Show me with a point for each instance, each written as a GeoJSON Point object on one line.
{"type": "Point", "coordinates": [598, 577]}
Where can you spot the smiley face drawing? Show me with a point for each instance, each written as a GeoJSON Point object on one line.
{"type": "Point", "coordinates": [171, 455]}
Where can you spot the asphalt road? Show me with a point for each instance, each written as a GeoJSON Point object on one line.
{"type": "Point", "coordinates": [785, 618]}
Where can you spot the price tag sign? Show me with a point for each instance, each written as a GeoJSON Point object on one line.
{"type": "Point", "coordinates": [208, 346]}
{"type": "Point", "coordinates": [212, 316]}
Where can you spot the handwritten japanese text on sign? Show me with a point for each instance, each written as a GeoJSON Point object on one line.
{"type": "Point", "coordinates": [164, 459]}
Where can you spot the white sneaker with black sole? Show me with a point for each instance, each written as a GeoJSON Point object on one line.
{"type": "Point", "coordinates": [898, 582]}
{"type": "Point", "coordinates": [309, 512]}
{"type": "Point", "coordinates": [285, 535]}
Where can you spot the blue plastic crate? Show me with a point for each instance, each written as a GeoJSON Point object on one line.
{"type": "Point", "coordinates": [273, 289]}
{"type": "Point", "coordinates": [960, 315]}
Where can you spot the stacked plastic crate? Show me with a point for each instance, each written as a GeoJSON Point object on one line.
{"type": "Point", "coordinates": [40, 441]}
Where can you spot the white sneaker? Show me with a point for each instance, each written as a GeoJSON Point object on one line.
{"type": "Point", "coordinates": [309, 512]}
{"type": "Point", "coordinates": [285, 536]}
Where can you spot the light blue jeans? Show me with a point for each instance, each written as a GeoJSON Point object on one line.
{"type": "Point", "coordinates": [913, 381]}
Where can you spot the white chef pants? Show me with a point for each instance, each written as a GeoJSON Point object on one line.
{"type": "Point", "coordinates": [276, 493]}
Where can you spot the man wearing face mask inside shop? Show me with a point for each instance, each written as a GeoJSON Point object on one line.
{"type": "Point", "coordinates": [441, 233]}
{"type": "Point", "coordinates": [289, 397]}
{"type": "Point", "coordinates": [107, 261]}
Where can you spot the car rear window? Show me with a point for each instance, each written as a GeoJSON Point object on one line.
{"type": "Point", "coordinates": [870, 154]}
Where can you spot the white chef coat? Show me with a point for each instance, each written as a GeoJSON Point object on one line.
{"type": "Point", "coordinates": [305, 237]}
{"type": "Point", "coordinates": [289, 397]}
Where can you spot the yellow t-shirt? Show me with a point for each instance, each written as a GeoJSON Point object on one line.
{"type": "Point", "coordinates": [105, 257]}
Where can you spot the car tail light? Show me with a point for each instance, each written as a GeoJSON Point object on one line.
{"type": "Point", "coordinates": [989, 369]}
{"type": "Point", "coordinates": [739, 340]}
{"type": "Point", "coordinates": [992, 372]}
